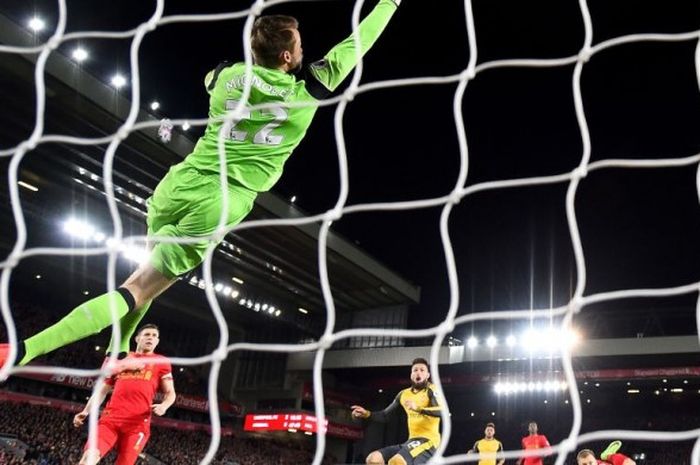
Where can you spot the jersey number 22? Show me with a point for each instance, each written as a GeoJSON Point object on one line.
{"type": "Point", "coordinates": [263, 136]}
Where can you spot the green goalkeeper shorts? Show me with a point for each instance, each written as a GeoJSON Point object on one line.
{"type": "Point", "coordinates": [187, 203]}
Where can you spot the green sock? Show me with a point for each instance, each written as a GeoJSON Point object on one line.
{"type": "Point", "coordinates": [128, 325]}
{"type": "Point", "coordinates": [85, 320]}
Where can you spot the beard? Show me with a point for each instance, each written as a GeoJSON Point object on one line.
{"type": "Point", "coordinates": [422, 385]}
{"type": "Point", "coordinates": [297, 67]}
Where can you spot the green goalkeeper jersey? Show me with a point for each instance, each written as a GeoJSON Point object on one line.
{"type": "Point", "coordinates": [260, 140]}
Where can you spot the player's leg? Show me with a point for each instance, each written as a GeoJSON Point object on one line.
{"type": "Point", "coordinates": [374, 458]}
{"type": "Point", "coordinates": [107, 436]}
{"type": "Point", "coordinates": [136, 293]}
{"type": "Point", "coordinates": [86, 319]}
{"type": "Point", "coordinates": [131, 320]}
{"type": "Point", "coordinates": [166, 208]}
{"type": "Point", "coordinates": [131, 443]}
{"type": "Point", "coordinates": [381, 456]}
{"type": "Point", "coordinates": [415, 451]}
{"type": "Point", "coordinates": [127, 326]}
{"type": "Point", "coordinates": [185, 204]}
{"type": "Point", "coordinates": [139, 289]}
{"type": "Point", "coordinates": [421, 456]}
{"type": "Point", "coordinates": [398, 459]}
{"type": "Point", "coordinates": [93, 316]}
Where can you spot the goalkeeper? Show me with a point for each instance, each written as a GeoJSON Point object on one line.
{"type": "Point", "coordinates": [188, 201]}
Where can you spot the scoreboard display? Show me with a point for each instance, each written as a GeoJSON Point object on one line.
{"type": "Point", "coordinates": [281, 422]}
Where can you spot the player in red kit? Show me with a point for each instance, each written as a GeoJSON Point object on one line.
{"type": "Point", "coordinates": [608, 457]}
{"type": "Point", "coordinates": [533, 441]}
{"type": "Point", "coordinates": [126, 420]}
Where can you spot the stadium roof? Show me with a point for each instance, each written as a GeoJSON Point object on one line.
{"type": "Point", "coordinates": [278, 264]}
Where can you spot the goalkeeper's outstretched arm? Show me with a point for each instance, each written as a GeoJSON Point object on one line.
{"type": "Point", "coordinates": [341, 59]}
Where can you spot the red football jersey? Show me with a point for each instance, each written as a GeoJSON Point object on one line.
{"type": "Point", "coordinates": [614, 459]}
{"type": "Point", "coordinates": [534, 441]}
{"type": "Point", "coordinates": [134, 389]}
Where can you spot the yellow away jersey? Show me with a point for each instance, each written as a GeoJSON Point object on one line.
{"type": "Point", "coordinates": [424, 422]}
{"type": "Point", "coordinates": [488, 450]}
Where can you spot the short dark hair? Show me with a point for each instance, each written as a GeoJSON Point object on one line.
{"type": "Point", "coordinates": [147, 326]}
{"type": "Point", "coordinates": [422, 361]}
{"type": "Point", "coordinates": [491, 425]}
{"type": "Point", "coordinates": [272, 35]}
{"type": "Point", "coordinates": [584, 453]}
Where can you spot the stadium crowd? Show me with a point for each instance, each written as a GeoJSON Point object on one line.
{"type": "Point", "coordinates": [53, 440]}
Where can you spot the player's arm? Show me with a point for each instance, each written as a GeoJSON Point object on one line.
{"type": "Point", "coordinates": [341, 59]}
{"type": "Point", "coordinates": [433, 409]}
{"type": "Point", "coordinates": [522, 446]}
{"type": "Point", "coordinates": [212, 76]}
{"type": "Point", "coordinates": [381, 415]}
{"type": "Point", "coordinates": [499, 454]}
{"type": "Point", "coordinates": [474, 449]}
{"type": "Point", "coordinates": [96, 398]}
{"type": "Point", "coordinates": [544, 443]}
{"type": "Point", "coordinates": [167, 387]}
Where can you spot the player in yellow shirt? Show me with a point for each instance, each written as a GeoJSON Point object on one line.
{"type": "Point", "coordinates": [489, 448]}
{"type": "Point", "coordinates": [423, 414]}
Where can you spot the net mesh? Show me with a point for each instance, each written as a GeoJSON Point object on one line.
{"type": "Point", "coordinates": [460, 192]}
